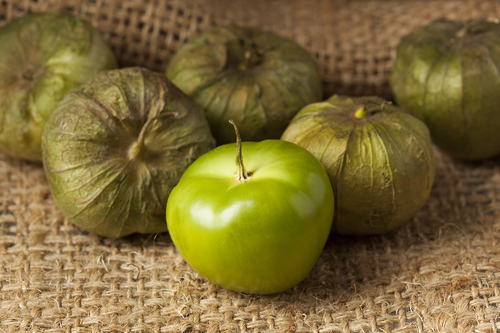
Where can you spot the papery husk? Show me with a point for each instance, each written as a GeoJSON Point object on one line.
{"type": "Point", "coordinates": [256, 78]}
{"type": "Point", "coordinates": [99, 176]}
{"type": "Point", "coordinates": [43, 56]}
{"type": "Point", "coordinates": [381, 165]}
{"type": "Point", "coordinates": [447, 74]}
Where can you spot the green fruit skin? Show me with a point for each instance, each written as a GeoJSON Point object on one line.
{"type": "Point", "coordinates": [381, 166]}
{"type": "Point", "coordinates": [42, 58]}
{"type": "Point", "coordinates": [262, 96]}
{"type": "Point", "coordinates": [95, 178]}
{"type": "Point", "coordinates": [261, 236]}
{"type": "Point", "coordinates": [447, 74]}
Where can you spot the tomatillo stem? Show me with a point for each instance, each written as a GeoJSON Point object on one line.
{"type": "Point", "coordinates": [251, 57]}
{"type": "Point", "coordinates": [139, 145]}
{"type": "Point", "coordinates": [472, 27]}
{"type": "Point", "coordinates": [360, 112]}
{"type": "Point", "coordinates": [246, 60]}
{"type": "Point", "coordinates": [241, 174]}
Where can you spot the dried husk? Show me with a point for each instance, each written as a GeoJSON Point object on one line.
{"type": "Point", "coordinates": [256, 78]}
{"type": "Point", "coordinates": [43, 56]}
{"type": "Point", "coordinates": [447, 74]}
{"type": "Point", "coordinates": [102, 176]}
{"type": "Point", "coordinates": [381, 165]}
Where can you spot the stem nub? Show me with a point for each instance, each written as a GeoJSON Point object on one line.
{"type": "Point", "coordinates": [363, 110]}
{"type": "Point", "coordinates": [360, 112]}
{"type": "Point", "coordinates": [247, 56]}
{"type": "Point", "coordinates": [475, 27]}
{"type": "Point", "coordinates": [251, 57]}
{"type": "Point", "coordinates": [138, 147]}
{"type": "Point", "coordinates": [466, 29]}
{"type": "Point", "coordinates": [241, 174]}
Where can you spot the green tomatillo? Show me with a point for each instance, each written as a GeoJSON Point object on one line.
{"type": "Point", "coordinates": [447, 74]}
{"type": "Point", "coordinates": [115, 147]}
{"type": "Point", "coordinates": [379, 159]}
{"type": "Point", "coordinates": [254, 228]}
{"type": "Point", "coordinates": [257, 78]}
{"type": "Point", "coordinates": [43, 56]}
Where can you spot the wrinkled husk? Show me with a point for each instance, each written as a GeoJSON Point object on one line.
{"type": "Point", "coordinates": [381, 165]}
{"type": "Point", "coordinates": [261, 91]}
{"type": "Point", "coordinates": [447, 74]}
{"type": "Point", "coordinates": [43, 56]}
{"type": "Point", "coordinates": [99, 178]}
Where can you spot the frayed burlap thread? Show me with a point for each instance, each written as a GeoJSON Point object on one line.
{"type": "Point", "coordinates": [439, 273]}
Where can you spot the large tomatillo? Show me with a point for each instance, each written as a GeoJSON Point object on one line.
{"type": "Point", "coordinates": [258, 227]}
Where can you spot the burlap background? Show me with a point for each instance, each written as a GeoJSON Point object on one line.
{"type": "Point", "coordinates": [440, 273]}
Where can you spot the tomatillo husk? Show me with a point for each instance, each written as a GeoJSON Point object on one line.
{"type": "Point", "coordinates": [43, 56]}
{"type": "Point", "coordinates": [115, 147]}
{"type": "Point", "coordinates": [379, 160]}
{"type": "Point", "coordinates": [258, 79]}
{"type": "Point", "coordinates": [447, 74]}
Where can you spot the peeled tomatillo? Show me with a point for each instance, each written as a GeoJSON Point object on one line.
{"type": "Point", "coordinates": [257, 227]}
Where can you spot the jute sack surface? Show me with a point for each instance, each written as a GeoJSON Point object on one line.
{"type": "Point", "coordinates": [439, 273]}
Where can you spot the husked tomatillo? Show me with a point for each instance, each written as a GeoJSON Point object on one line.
{"type": "Point", "coordinates": [379, 160]}
{"type": "Point", "coordinates": [115, 147]}
{"type": "Point", "coordinates": [257, 78]}
{"type": "Point", "coordinates": [43, 56]}
{"type": "Point", "coordinates": [447, 74]}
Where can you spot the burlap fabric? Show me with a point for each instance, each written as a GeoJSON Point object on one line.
{"type": "Point", "coordinates": [440, 273]}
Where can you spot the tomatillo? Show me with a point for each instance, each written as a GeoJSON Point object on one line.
{"type": "Point", "coordinates": [255, 228]}
{"type": "Point", "coordinates": [43, 56]}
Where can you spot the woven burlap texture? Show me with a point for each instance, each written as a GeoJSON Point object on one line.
{"type": "Point", "coordinates": [439, 273]}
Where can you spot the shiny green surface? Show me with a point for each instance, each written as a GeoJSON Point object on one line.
{"type": "Point", "coordinates": [381, 165]}
{"type": "Point", "coordinates": [98, 178]}
{"type": "Point", "coordinates": [259, 236]}
{"type": "Point", "coordinates": [258, 79]}
{"type": "Point", "coordinates": [447, 74]}
{"type": "Point", "coordinates": [43, 56]}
